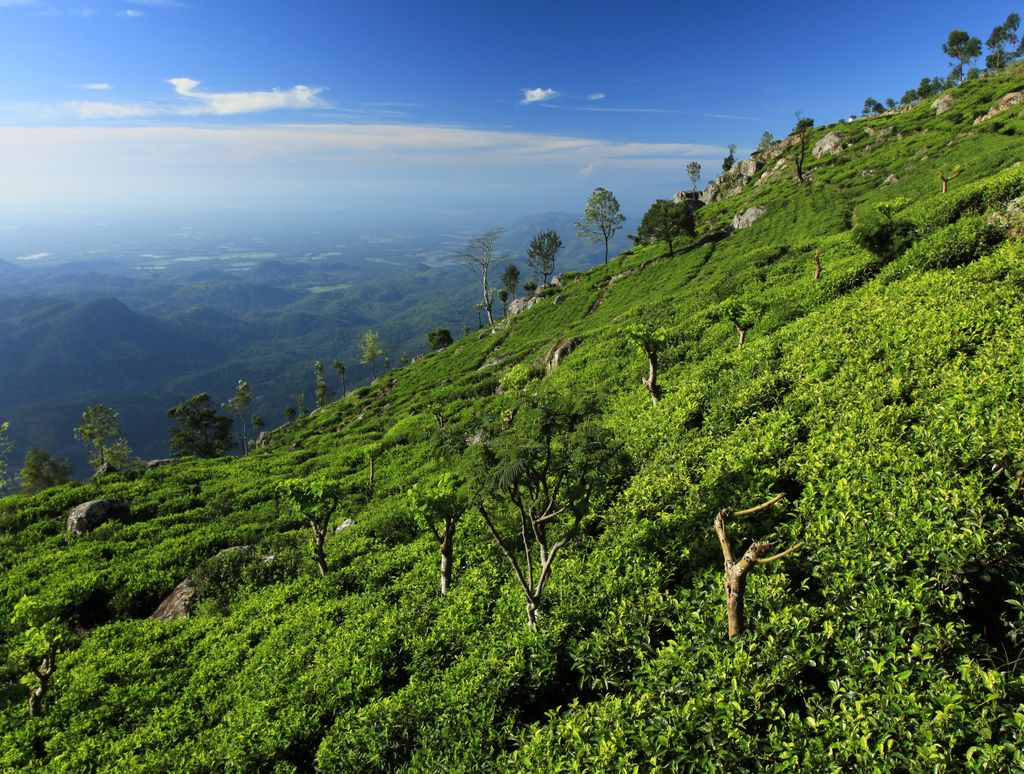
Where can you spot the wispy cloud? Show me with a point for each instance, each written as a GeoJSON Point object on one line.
{"type": "Point", "coordinates": [33, 257]}
{"type": "Point", "coordinates": [201, 102]}
{"type": "Point", "coordinates": [596, 96]}
{"type": "Point", "coordinates": [130, 13]}
{"type": "Point", "coordinates": [234, 102]}
{"type": "Point", "coordinates": [95, 86]}
{"type": "Point", "coordinates": [588, 170]}
{"type": "Point", "coordinates": [537, 95]}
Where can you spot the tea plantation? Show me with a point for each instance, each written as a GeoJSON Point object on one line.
{"type": "Point", "coordinates": [884, 400]}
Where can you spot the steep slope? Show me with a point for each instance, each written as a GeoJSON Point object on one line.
{"type": "Point", "coordinates": [882, 399]}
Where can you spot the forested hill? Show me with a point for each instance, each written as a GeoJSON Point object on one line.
{"type": "Point", "coordinates": [619, 432]}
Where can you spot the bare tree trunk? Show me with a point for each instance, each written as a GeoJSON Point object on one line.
{"type": "Point", "coordinates": [651, 382]}
{"type": "Point", "coordinates": [742, 334]}
{"type": "Point", "coordinates": [736, 572]}
{"type": "Point", "coordinates": [947, 180]}
{"type": "Point", "coordinates": [371, 475]}
{"type": "Point", "coordinates": [447, 549]}
{"type": "Point", "coordinates": [319, 535]}
{"type": "Point", "coordinates": [817, 266]}
{"type": "Point", "coordinates": [43, 672]}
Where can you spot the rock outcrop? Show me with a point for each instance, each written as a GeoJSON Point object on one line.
{"type": "Point", "coordinates": [943, 103]}
{"type": "Point", "coordinates": [729, 183]}
{"type": "Point", "coordinates": [87, 516]}
{"type": "Point", "coordinates": [178, 603]}
{"type": "Point", "coordinates": [347, 524]}
{"type": "Point", "coordinates": [830, 143]}
{"type": "Point", "coordinates": [1008, 101]}
{"type": "Point", "coordinates": [748, 217]}
{"type": "Point", "coordinates": [263, 439]}
{"type": "Point", "coordinates": [153, 464]}
{"type": "Point", "coordinates": [521, 305]}
{"type": "Point", "coordinates": [560, 352]}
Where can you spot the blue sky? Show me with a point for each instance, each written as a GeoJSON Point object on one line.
{"type": "Point", "coordinates": [474, 106]}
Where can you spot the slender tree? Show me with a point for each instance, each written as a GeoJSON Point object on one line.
{"type": "Point", "coordinates": [480, 256]}
{"type": "Point", "coordinates": [290, 413]}
{"type": "Point", "coordinates": [666, 221]}
{"type": "Point", "coordinates": [536, 476]}
{"type": "Point", "coordinates": [693, 172]}
{"type": "Point", "coordinates": [238, 407]}
{"type": "Point", "coordinates": [440, 506]}
{"type": "Point", "coordinates": [42, 470]}
{"type": "Point", "coordinates": [339, 367]}
{"type": "Point", "coordinates": [322, 391]}
{"type": "Point", "coordinates": [1002, 43]}
{"type": "Point", "coordinates": [736, 571]}
{"type": "Point", "coordinates": [5, 451]}
{"type": "Point", "coordinates": [541, 253]}
{"type": "Point", "coordinates": [370, 349]}
{"type": "Point", "coordinates": [510, 279]}
{"type": "Point", "coordinates": [803, 125]}
{"type": "Point", "coordinates": [767, 140]}
{"type": "Point", "coordinates": [503, 297]}
{"type": "Point", "coordinates": [601, 218]}
{"type": "Point", "coordinates": [99, 430]}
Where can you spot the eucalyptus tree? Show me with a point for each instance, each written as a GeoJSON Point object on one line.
{"type": "Point", "coordinates": [601, 218]}
{"type": "Point", "coordinates": [370, 350]}
{"type": "Point", "coordinates": [480, 256]}
{"type": "Point", "coordinates": [693, 172]}
{"type": "Point", "coordinates": [510, 279]}
{"type": "Point", "coordinates": [42, 470]}
{"type": "Point", "coordinates": [339, 367]}
{"type": "Point", "coordinates": [321, 391]}
{"type": "Point", "coordinates": [238, 407]}
{"type": "Point", "coordinates": [803, 125]}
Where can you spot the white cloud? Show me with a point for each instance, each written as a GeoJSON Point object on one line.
{"type": "Point", "coordinates": [234, 102]}
{"type": "Point", "coordinates": [588, 170]}
{"type": "Point", "coordinates": [33, 257]}
{"type": "Point", "coordinates": [596, 96]}
{"type": "Point", "coordinates": [95, 86]}
{"type": "Point", "coordinates": [131, 13]}
{"type": "Point", "coordinates": [537, 95]}
{"type": "Point", "coordinates": [90, 110]}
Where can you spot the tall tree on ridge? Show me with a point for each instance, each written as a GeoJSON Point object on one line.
{"type": "Point", "coordinates": [601, 218]}
{"type": "Point", "coordinates": [541, 253]}
{"type": "Point", "coordinates": [370, 350]}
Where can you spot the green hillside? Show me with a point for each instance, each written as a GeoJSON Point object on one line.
{"type": "Point", "coordinates": [883, 400]}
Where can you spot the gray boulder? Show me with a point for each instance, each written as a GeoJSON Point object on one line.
{"type": "Point", "coordinates": [830, 143]}
{"type": "Point", "coordinates": [943, 103]}
{"type": "Point", "coordinates": [347, 524]}
{"type": "Point", "coordinates": [152, 464]}
{"type": "Point", "coordinates": [87, 516]}
{"type": "Point", "coordinates": [178, 603]}
{"type": "Point", "coordinates": [104, 469]}
{"type": "Point", "coordinates": [263, 439]}
{"type": "Point", "coordinates": [748, 217]}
